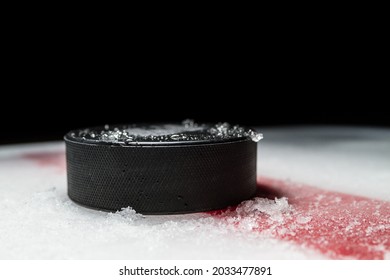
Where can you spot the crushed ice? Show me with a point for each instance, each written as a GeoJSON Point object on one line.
{"type": "Point", "coordinates": [249, 213]}
{"type": "Point", "coordinates": [187, 131]}
{"type": "Point", "coordinates": [273, 208]}
{"type": "Point", "coordinates": [225, 130]}
{"type": "Point", "coordinates": [127, 214]}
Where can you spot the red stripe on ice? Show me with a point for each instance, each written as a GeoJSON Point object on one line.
{"type": "Point", "coordinates": [55, 159]}
{"type": "Point", "coordinates": [341, 226]}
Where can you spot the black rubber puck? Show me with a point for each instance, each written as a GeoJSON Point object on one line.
{"type": "Point", "coordinates": [165, 169]}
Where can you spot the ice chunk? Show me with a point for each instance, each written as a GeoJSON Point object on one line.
{"type": "Point", "coordinates": [225, 131]}
{"type": "Point", "coordinates": [127, 214]}
{"type": "Point", "coordinates": [273, 208]}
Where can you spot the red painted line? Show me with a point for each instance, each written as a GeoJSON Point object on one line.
{"type": "Point", "coordinates": [47, 159]}
{"type": "Point", "coordinates": [340, 226]}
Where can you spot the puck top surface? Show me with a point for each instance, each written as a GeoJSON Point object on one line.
{"type": "Point", "coordinates": [186, 133]}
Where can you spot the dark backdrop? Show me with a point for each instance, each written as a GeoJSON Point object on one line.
{"type": "Point", "coordinates": [281, 72]}
{"type": "Point", "coordinates": [277, 83]}
{"type": "Point", "coordinates": [44, 103]}
{"type": "Point", "coordinates": [40, 122]}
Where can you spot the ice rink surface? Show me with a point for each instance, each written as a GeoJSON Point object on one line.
{"type": "Point", "coordinates": [323, 193]}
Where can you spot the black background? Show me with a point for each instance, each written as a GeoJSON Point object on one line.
{"type": "Point", "coordinates": [57, 81]}
{"type": "Point", "coordinates": [38, 121]}
{"type": "Point", "coordinates": [44, 106]}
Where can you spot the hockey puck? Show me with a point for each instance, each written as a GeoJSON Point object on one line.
{"type": "Point", "coordinates": [161, 169]}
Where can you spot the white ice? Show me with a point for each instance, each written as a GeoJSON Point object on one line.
{"type": "Point", "coordinates": [38, 221]}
